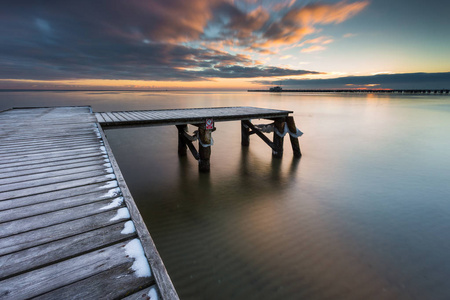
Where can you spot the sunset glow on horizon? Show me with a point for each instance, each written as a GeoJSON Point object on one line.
{"type": "Point", "coordinates": [224, 44]}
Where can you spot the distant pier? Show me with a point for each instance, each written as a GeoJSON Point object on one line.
{"type": "Point", "coordinates": [430, 92]}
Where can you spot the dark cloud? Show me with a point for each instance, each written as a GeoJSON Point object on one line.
{"type": "Point", "coordinates": [133, 39]}
{"type": "Point", "coordinates": [386, 81]}
{"type": "Point", "coordinates": [252, 72]}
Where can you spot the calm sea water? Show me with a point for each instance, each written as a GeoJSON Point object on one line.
{"type": "Point", "coordinates": [364, 214]}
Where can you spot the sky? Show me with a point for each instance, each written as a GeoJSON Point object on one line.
{"type": "Point", "coordinates": [224, 44]}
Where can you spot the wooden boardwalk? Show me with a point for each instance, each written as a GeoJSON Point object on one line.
{"type": "Point", "coordinates": [186, 116]}
{"type": "Point", "coordinates": [204, 119]}
{"type": "Point", "coordinates": [69, 228]}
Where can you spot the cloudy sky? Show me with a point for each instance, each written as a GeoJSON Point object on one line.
{"type": "Point", "coordinates": [224, 44]}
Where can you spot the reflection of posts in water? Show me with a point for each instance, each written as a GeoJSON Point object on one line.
{"type": "Point", "coordinates": [294, 166]}
{"type": "Point", "coordinates": [243, 166]}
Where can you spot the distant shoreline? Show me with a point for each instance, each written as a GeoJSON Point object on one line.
{"type": "Point", "coordinates": [88, 90]}
{"type": "Point", "coordinates": [418, 91]}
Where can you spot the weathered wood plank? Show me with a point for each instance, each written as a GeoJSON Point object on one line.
{"type": "Point", "coordinates": [32, 258]}
{"type": "Point", "coordinates": [118, 116]}
{"type": "Point", "coordinates": [59, 216]}
{"type": "Point", "coordinates": [71, 164]}
{"type": "Point", "coordinates": [113, 117]}
{"type": "Point", "coordinates": [106, 117]}
{"type": "Point", "coordinates": [49, 174]}
{"type": "Point", "coordinates": [16, 167]}
{"type": "Point", "coordinates": [49, 144]}
{"type": "Point", "coordinates": [150, 293]}
{"type": "Point", "coordinates": [53, 154]}
{"type": "Point", "coordinates": [17, 211]}
{"type": "Point", "coordinates": [20, 134]}
{"type": "Point", "coordinates": [25, 140]}
{"type": "Point", "coordinates": [100, 117]}
{"type": "Point", "coordinates": [106, 187]}
{"type": "Point", "coordinates": [51, 157]}
{"type": "Point", "coordinates": [185, 116]}
{"type": "Point", "coordinates": [101, 286]}
{"type": "Point", "coordinates": [54, 187]}
{"type": "Point", "coordinates": [44, 280]}
{"type": "Point", "coordinates": [108, 172]}
{"type": "Point", "coordinates": [48, 234]}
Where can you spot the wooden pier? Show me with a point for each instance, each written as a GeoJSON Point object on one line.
{"type": "Point", "coordinates": [203, 119]}
{"type": "Point", "coordinates": [359, 91]}
{"type": "Point", "coordinates": [69, 227]}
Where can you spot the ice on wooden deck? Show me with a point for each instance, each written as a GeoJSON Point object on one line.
{"type": "Point", "coordinates": [128, 228]}
{"type": "Point", "coordinates": [122, 213]}
{"type": "Point", "coordinates": [140, 265]}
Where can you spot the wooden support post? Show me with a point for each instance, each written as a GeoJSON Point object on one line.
{"type": "Point", "coordinates": [294, 140]}
{"type": "Point", "coordinates": [245, 134]}
{"type": "Point", "coordinates": [182, 147]}
{"type": "Point", "coordinates": [277, 150]}
{"type": "Point", "coordinates": [205, 152]}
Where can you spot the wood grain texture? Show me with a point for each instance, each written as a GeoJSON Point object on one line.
{"type": "Point", "coordinates": [54, 276]}
{"type": "Point", "coordinates": [35, 257]}
{"type": "Point", "coordinates": [185, 116]}
{"type": "Point", "coordinates": [48, 234]}
{"type": "Point", "coordinates": [62, 209]}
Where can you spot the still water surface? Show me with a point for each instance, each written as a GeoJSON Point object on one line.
{"type": "Point", "coordinates": [364, 214]}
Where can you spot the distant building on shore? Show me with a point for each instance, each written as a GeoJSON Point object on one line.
{"type": "Point", "coordinates": [275, 89]}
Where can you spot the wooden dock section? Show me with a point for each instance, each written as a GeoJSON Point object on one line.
{"type": "Point", "coordinates": [193, 116]}
{"type": "Point", "coordinates": [69, 227]}
{"type": "Point", "coordinates": [204, 119]}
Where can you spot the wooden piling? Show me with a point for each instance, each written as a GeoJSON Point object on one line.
{"type": "Point", "coordinates": [277, 151]}
{"type": "Point", "coordinates": [205, 152]}
{"type": "Point", "coordinates": [245, 134]}
{"type": "Point", "coordinates": [294, 140]}
{"type": "Point", "coordinates": [182, 146]}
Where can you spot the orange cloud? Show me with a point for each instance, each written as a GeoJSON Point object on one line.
{"type": "Point", "coordinates": [299, 22]}
{"type": "Point", "coordinates": [326, 13]}
{"type": "Point", "coordinates": [323, 40]}
{"type": "Point", "coordinates": [314, 48]}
